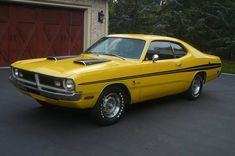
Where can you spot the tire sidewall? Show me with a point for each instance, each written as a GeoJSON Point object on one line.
{"type": "Point", "coordinates": [97, 112]}
{"type": "Point", "coordinates": [192, 95]}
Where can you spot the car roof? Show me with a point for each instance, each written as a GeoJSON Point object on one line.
{"type": "Point", "coordinates": [145, 37]}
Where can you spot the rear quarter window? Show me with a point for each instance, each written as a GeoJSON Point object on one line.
{"type": "Point", "coordinates": [178, 50]}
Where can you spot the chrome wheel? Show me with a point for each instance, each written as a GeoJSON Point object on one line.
{"type": "Point", "coordinates": [111, 105]}
{"type": "Point", "coordinates": [196, 86]}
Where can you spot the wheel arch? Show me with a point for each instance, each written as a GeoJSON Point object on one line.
{"type": "Point", "coordinates": [123, 86]}
{"type": "Point", "coordinates": [203, 74]}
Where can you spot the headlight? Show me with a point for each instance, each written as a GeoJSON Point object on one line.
{"type": "Point", "coordinates": [69, 85]}
{"type": "Point", "coordinates": [16, 72]}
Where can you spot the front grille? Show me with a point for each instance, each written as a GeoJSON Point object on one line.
{"type": "Point", "coordinates": [39, 81]}
{"type": "Point", "coordinates": [27, 75]}
{"type": "Point", "coordinates": [50, 81]}
{"type": "Point", "coordinates": [29, 85]}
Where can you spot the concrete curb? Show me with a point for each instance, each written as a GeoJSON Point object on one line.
{"type": "Point", "coordinates": [228, 74]}
{"type": "Point", "coordinates": [4, 67]}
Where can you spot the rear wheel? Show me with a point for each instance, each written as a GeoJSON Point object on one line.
{"type": "Point", "coordinates": [195, 89]}
{"type": "Point", "coordinates": [110, 106]}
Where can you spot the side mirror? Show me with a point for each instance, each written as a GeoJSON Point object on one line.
{"type": "Point", "coordinates": [155, 57]}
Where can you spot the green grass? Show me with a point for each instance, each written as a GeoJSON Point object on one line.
{"type": "Point", "coordinates": [228, 66]}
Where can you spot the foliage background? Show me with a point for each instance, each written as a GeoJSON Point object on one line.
{"type": "Point", "coordinates": [208, 25]}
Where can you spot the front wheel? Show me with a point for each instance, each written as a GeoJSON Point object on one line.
{"type": "Point", "coordinates": [195, 89]}
{"type": "Point", "coordinates": [110, 106]}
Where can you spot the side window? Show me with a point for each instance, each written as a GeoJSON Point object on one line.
{"type": "Point", "coordinates": [179, 51]}
{"type": "Point", "coordinates": [163, 49]}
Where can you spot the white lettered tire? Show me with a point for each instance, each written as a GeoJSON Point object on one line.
{"type": "Point", "coordinates": [110, 106]}
{"type": "Point", "coordinates": [195, 88]}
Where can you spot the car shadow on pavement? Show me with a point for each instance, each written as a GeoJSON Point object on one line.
{"type": "Point", "coordinates": [164, 102]}
{"type": "Point", "coordinates": [57, 117]}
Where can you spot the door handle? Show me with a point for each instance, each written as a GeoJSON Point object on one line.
{"type": "Point", "coordinates": [178, 64]}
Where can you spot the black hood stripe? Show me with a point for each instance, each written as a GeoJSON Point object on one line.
{"type": "Point", "coordinates": [57, 58]}
{"type": "Point", "coordinates": [190, 69]}
{"type": "Point", "coordinates": [91, 61]}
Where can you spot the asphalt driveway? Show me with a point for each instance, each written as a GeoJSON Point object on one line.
{"type": "Point", "coordinates": [170, 126]}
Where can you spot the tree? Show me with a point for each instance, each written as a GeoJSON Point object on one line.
{"type": "Point", "coordinates": [208, 25]}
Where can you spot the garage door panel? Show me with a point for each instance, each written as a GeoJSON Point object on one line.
{"type": "Point", "coordinates": [51, 34]}
{"type": "Point", "coordinates": [33, 32]}
{"type": "Point", "coordinates": [4, 26]}
{"type": "Point", "coordinates": [57, 37]}
{"type": "Point", "coordinates": [16, 45]}
{"type": "Point", "coordinates": [50, 16]}
{"type": "Point", "coordinates": [61, 44]}
{"type": "Point", "coordinates": [25, 31]}
{"type": "Point", "coordinates": [4, 13]}
{"type": "Point", "coordinates": [77, 17]}
{"type": "Point", "coordinates": [25, 34]}
{"type": "Point", "coordinates": [76, 32]}
{"type": "Point", "coordinates": [22, 29]}
{"type": "Point", "coordinates": [75, 37]}
{"type": "Point", "coordinates": [3, 44]}
{"type": "Point", "coordinates": [23, 13]}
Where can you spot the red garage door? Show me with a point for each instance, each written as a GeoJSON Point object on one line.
{"type": "Point", "coordinates": [32, 32]}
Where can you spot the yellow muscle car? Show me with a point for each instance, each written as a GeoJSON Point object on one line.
{"type": "Point", "coordinates": [116, 71]}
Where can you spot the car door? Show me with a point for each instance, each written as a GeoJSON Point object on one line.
{"type": "Point", "coordinates": [161, 78]}
{"type": "Point", "coordinates": [182, 62]}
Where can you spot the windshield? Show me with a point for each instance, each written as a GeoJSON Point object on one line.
{"type": "Point", "coordinates": [119, 47]}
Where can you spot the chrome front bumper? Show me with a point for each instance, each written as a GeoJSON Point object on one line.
{"type": "Point", "coordinates": [21, 84]}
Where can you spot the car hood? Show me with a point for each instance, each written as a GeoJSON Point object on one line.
{"type": "Point", "coordinates": [67, 66]}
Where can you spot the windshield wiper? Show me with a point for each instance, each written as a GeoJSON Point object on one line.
{"type": "Point", "coordinates": [115, 55]}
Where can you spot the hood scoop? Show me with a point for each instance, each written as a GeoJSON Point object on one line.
{"type": "Point", "coordinates": [91, 61]}
{"type": "Point", "coordinates": [57, 58]}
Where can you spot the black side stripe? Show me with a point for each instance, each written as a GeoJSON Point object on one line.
{"type": "Point", "coordinates": [190, 69]}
